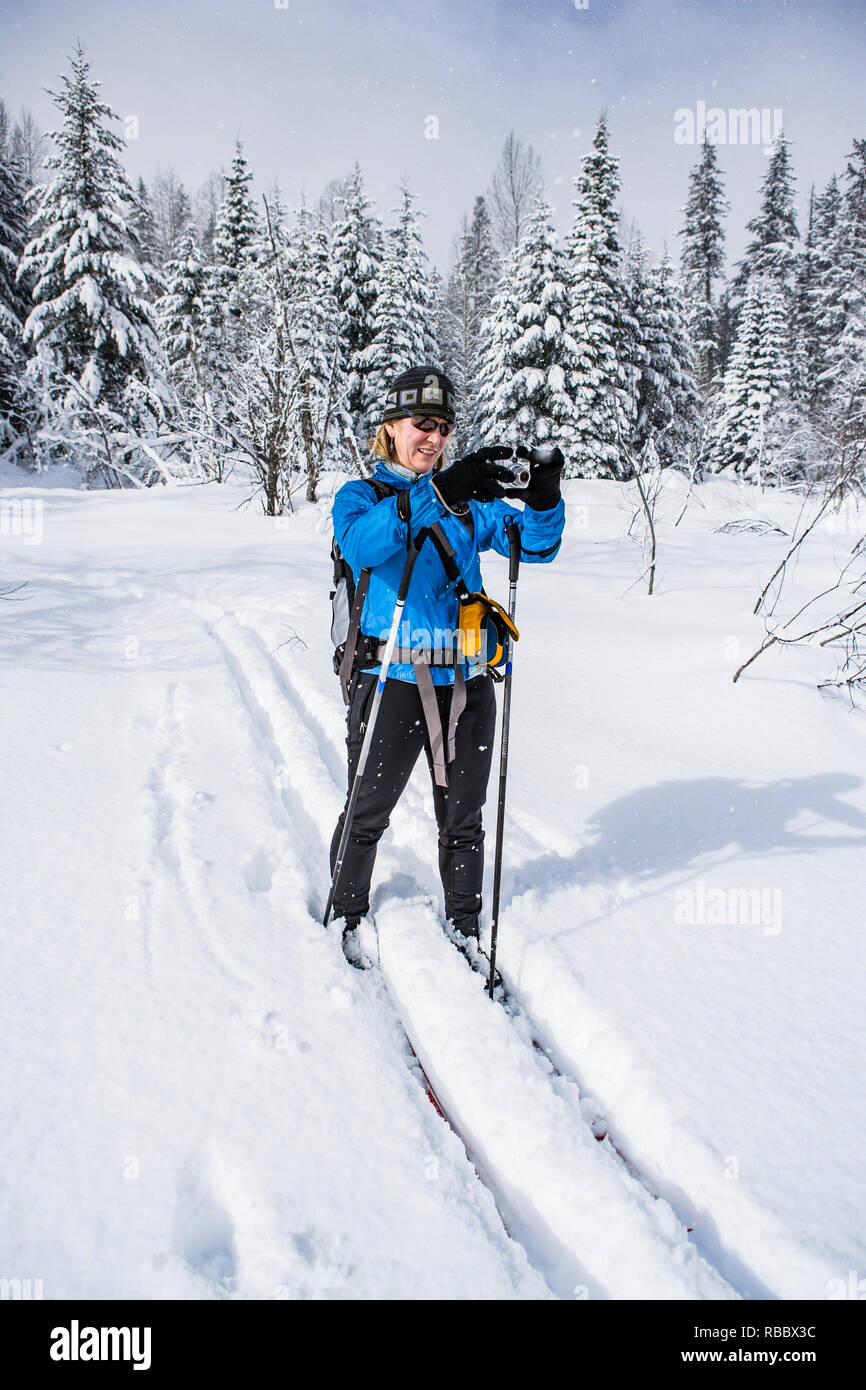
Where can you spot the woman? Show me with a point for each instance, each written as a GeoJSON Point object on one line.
{"type": "Point", "coordinates": [439, 703]}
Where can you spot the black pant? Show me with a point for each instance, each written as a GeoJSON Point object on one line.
{"type": "Point", "coordinates": [401, 733]}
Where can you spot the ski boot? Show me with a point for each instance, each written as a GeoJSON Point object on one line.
{"type": "Point", "coordinates": [465, 938]}
{"type": "Point", "coordinates": [352, 949]}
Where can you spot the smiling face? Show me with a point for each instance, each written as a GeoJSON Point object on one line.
{"type": "Point", "coordinates": [415, 449]}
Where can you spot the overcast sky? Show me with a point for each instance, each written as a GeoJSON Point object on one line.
{"type": "Point", "coordinates": [316, 84]}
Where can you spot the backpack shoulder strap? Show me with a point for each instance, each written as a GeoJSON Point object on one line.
{"type": "Point", "coordinates": [380, 487]}
{"type": "Point", "coordinates": [383, 489]}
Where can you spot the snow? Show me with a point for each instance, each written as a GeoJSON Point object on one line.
{"type": "Point", "coordinates": [202, 1100]}
{"type": "Point", "coordinates": [593, 1227]}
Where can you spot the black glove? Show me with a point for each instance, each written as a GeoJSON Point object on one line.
{"type": "Point", "coordinates": [546, 464]}
{"type": "Point", "coordinates": [475, 476]}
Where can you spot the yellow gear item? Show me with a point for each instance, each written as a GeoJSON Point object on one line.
{"type": "Point", "coordinates": [484, 627]}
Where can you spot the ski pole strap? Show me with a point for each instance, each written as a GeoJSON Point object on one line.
{"type": "Point", "coordinates": [549, 551]}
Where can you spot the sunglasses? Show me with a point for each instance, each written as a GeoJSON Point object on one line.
{"type": "Point", "coordinates": [426, 424]}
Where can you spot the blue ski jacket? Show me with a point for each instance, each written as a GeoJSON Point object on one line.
{"type": "Point", "coordinates": [371, 534]}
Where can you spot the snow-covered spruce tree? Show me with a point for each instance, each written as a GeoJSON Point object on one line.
{"type": "Point", "coordinates": [13, 303]}
{"type": "Point", "coordinates": [235, 309]}
{"type": "Point", "coordinates": [91, 326]}
{"type": "Point", "coordinates": [726, 318]}
{"type": "Point", "coordinates": [631, 352]}
{"type": "Point", "coordinates": [403, 320]}
{"type": "Point", "coordinates": [438, 291]}
{"type": "Point", "coordinates": [318, 425]}
{"type": "Point", "coordinates": [805, 346]}
{"type": "Point", "coordinates": [232, 305]}
{"type": "Point", "coordinates": [758, 432]}
{"type": "Point", "coordinates": [599, 385]}
{"type": "Point", "coordinates": [665, 395]}
{"type": "Point", "coordinates": [141, 222]}
{"type": "Point", "coordinates": [463, 307]}
{"type": "Point", "coordinates": [772, 252]}
{"type": "Point", "coordinates": [355, 259]}
{"type": "Point", "coordinates": [819, 316]}
{"type": "Point", "coordinates": [451, 319]}
{"type": "Point", "coordinates": [533, 405]}
{"type": "Point", "coordinates": [452, 326]}
{"type": "Point", "coordinates": [237, 226]}
{"type": "Point", "coordinates": [499, 331]}
{"type": "Point", "coordinates": [701, 261]}
{"type": "Point", "coordinates": [842, 313]}
{"type": "Point", "coordinates": [182, 315]}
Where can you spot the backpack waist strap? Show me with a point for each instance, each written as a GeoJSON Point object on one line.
{"type": "Point", "coordinates": [442, 742]}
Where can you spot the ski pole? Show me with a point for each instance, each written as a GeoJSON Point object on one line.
{"type": "Point", "coordinates": [513, 534]}
{"type": "Point", "coordinates": [402, 590]}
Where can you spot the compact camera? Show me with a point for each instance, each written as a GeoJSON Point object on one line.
{"type": "Point", "coordinates": [518, 468]}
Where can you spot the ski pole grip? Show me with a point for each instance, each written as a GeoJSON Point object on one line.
{"type": "Point", "coordinates": [513, 534]}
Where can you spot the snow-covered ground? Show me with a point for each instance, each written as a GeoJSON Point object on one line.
{"type": "Point", "coordinates": [202, 1099]}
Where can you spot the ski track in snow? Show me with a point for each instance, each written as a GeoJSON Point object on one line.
{"type": "Point", "coordinates": [293, 752]}
{"type": "Point", "coordinates": [305, 751]}
{"type": "Point", "coordinates": [172, 795]}
{"type": "Point", "coordinates": [273, 723]}
{"type": "Point", "coordinates": [211, 1221]}
{"type": "Point", "coordinates": [744, 1241]}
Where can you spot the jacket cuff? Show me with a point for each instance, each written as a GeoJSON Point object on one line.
{"type": "Point", "coordinates": [544, 524]}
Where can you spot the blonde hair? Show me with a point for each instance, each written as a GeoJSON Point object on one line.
{"type": "Point", "coordinates": [382, 445]}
